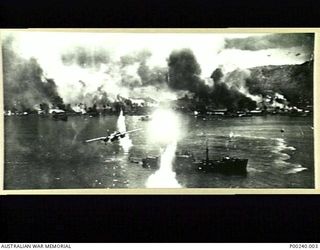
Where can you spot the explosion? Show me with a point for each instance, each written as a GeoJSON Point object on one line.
{"type": "Point", "coordinates": [125, 142]}
{"type": "Point", "coordinates": [91, 75]}
{"type": "Point", "coordinates": [165, 177]}
{"type": "Point", "coordinates": [25, 84]}
{"type": "Point", "coordinates": [164, 126]}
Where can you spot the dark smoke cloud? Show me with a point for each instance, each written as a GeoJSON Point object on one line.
{"type": "Point", "coordinates": [217, 75]}
{"type": "Point", "coordinates": [184, 74]}
{"type": "Point", "coordinates": [228, 96]}
{"type": "Point", "coordinates": [184, 71]}
{"type": "Point", "coordinates": [86, 57]}
{"type": "Point", "coordinates": [24, 82]}
{"type": "Point", "coordinates": [273, 41]}
{"type": "Point", "coordinates": [231, 98]}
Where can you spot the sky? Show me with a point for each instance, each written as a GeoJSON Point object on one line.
{"type": "Point", "coordinates": [209, 48]}
{"type": "Point", "coordinates": [226, 50]}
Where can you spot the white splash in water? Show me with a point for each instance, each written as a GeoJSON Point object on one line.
{"type": "Point", "coordinates": [165, 177]}
{"type": "Point", "coordinates": [297, 168]}
{"type": "Point", "coordinates": [284, 157]}
{"type": "Point", "coordinates": [125, 142]}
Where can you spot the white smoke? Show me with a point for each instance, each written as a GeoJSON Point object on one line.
{"type": "Point", "coordinates": [165, 177]}
{"type": "Point", "coordinates": [281, 104]}
{"type": "Point", "coordinates": [125, 142]}
{"type": "Point", "coordinates": [111, 79]}
{"type": "Point", "coordinates": [237, 78]}
{"type": "Point", "coordinates": [164, 129]}
{"type": "Point", "coordinates": [279, 96]}
{"type": "Point", "coordinates": [77, 84]}
{"type": "Point", "coordinates": [244, 90]}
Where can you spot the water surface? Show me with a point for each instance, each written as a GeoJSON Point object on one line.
{"type": "Point", "coordinates": [44, 154]}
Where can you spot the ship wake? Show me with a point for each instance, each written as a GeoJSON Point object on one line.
{"type": "Point", "coordinates": [282, 151]}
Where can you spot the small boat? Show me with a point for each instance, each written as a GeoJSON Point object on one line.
{"type": "Point", "coordinates": [152, 162]}
{"type": "Point", "coordinates": [146, 118]}
{"type": "Point", "coordinates": [136, 160]}
{"type": "Point", "coordinates": [59, 116]}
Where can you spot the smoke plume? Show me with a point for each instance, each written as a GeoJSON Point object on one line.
{"type": "Point", "coordinates": [24, 82]}
{"type": "Point", "coordinates": [102, 79]}
{"type": "Point", "coordinates": [217, 75]}
{"type": "Point", "coordinates": [91, 76]}
{"type": "Point", "coordinates": [229, 91]}
{"type": "Point", "coordinates": [148, 75]}
{"type": "Point", "coordinates": [85, 57]}
{"type": "Point", "coordinates": [184, 71]}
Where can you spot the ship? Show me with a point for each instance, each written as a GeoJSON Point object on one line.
{"type": "Point", "coordinates": [186, 162]}
{"type": "Point", "coordinates": [226, 165]}
{"type": "Point", "coordinates": [149, 162]}
{"type": "Point", "coordinates": [62, 116]}
{"type": "Point", "coordinates": [152, 162]}
{"type": "Point", "coordinates": [146, 118]}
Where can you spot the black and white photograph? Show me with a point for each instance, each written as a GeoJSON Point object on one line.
{"type": "Point", "coordinates": [100, 110]}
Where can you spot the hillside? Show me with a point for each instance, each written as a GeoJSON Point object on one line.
{"type": "Point", "coordinates": [295, 82]}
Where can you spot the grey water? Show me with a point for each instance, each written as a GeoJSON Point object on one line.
{"type": "Point", "coordinates": [41, 153]}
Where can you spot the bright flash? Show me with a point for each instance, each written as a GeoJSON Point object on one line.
{"type": "Point", "coordinates": [164, 126]}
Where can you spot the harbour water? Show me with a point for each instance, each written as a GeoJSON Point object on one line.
{"type": "Point", "coordinates": [41, 153]}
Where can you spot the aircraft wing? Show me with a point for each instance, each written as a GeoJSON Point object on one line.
{"type": "Point", "coordinates": [96, 139]}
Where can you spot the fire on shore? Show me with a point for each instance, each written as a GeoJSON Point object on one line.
{"type": "Point", "coordinates": [274, 105]}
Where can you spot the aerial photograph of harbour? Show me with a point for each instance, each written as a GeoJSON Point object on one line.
{"type": "Point", "coordinates": [136, 110]}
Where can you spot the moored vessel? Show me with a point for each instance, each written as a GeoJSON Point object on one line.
{"type": "Point", "coordinates": [226, 165]}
